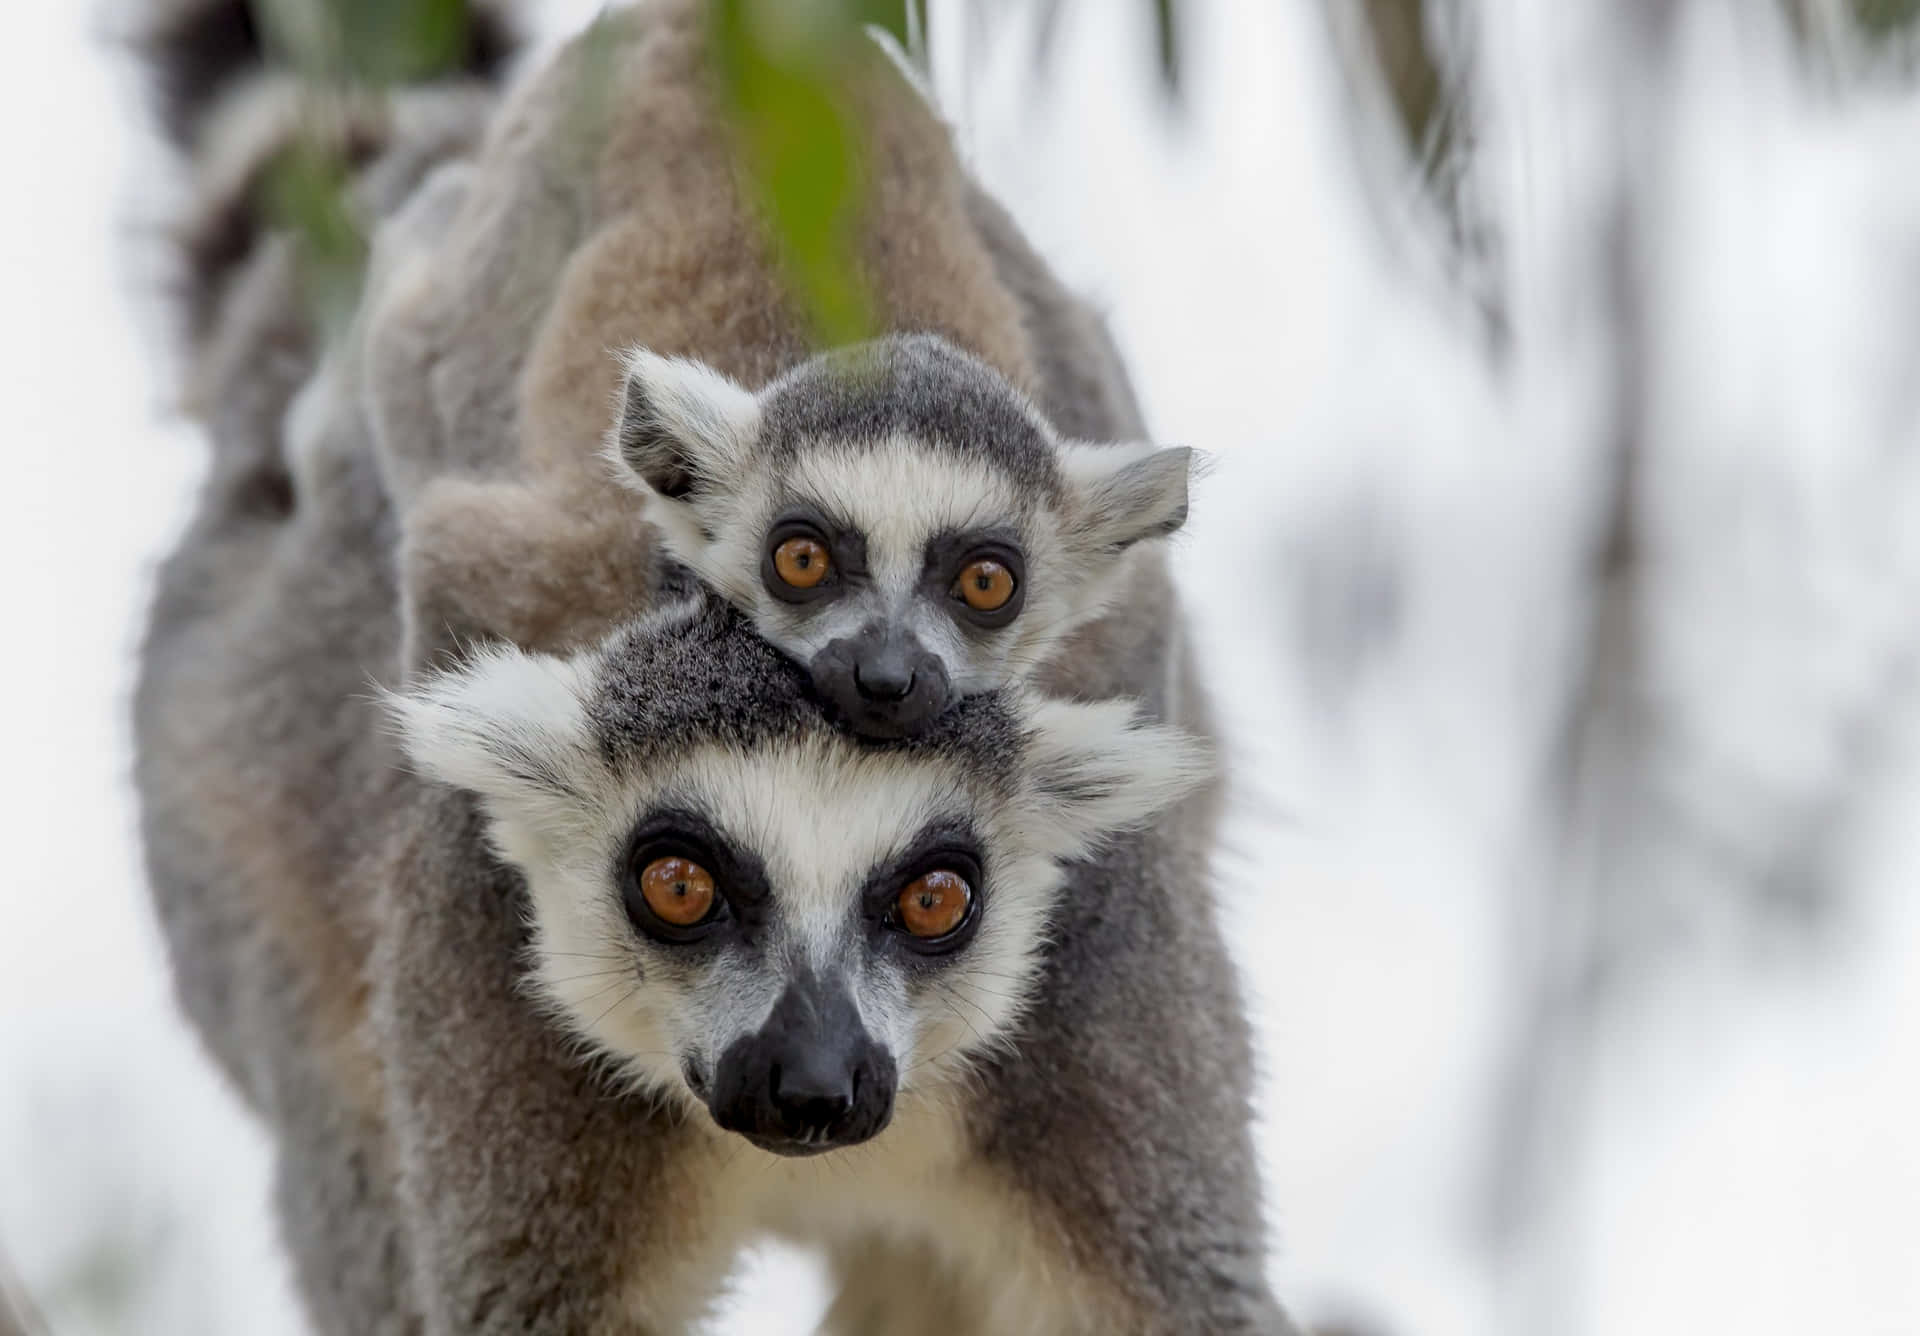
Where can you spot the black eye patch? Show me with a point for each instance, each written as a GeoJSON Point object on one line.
{"type": "Point", "coordinates": [840, 547]}
{"type": "Point", "coordinates": [991, 560]}
{"type": "Point", "coordinates": [944, 847]}
{"type": "Point", "coordinates": [741, 892]}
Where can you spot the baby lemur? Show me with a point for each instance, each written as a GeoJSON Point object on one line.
{"type": "Point", "coordinates": [895, 517]}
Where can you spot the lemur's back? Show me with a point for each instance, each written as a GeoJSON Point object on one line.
{"type": "Point", "coordinates": [330, 556]}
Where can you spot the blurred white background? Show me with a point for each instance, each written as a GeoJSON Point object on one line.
{"type": "Point", "coordinates": [1561, 593]}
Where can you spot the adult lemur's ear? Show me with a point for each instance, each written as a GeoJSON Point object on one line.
{"type": "Point", "coordinates": [680, 425]}
{"type": "Point", "coordinates": [1125, 493]}
{"type": "Point", "coordinates": [1097, 768]}
{"type": "Point", "coordinates": [509, 726]}
{"type": "Point", "coordinates": [512, 727]}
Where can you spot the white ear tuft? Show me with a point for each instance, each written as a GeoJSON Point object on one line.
{"type": "Point", "coordinates": [1126, 493]}
{"type": "Point", "coordinates": [511, 727]}
{"type": "Point", "coordinates": [680, 425]}
{"type": "Point", "coordinates": [1098, 768]}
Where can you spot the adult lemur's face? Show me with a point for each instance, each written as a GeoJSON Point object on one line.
{"type": "Point", "coordinates": [743, 906]}
{"type": "Point", "coordinates": [895, 518]}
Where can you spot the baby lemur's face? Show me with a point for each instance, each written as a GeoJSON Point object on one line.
{"type": "Point", "coordinates": [747, 909]}
{"type": "Point", "coordinates": [894, 518]}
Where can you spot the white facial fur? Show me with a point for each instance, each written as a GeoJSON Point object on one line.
{"type": "Point", "coordinates": [821, 813]}
{"type": "Point", "coordinates": [899, 493]}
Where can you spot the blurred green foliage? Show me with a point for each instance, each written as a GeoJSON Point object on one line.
{"type": "Point", "coordinates": [307, 188]}
{"type": "Point", "coordinates": [1885, 18]}
{"type": "Point", "coordinates": [366, 42]}
{"type": "Point", "coordinates": [1849, 37]}
{"type": "Point", "coordinates": [343, 47]}
{"type": "Point", "coordinates": [783, 67]}
{"type": "Point", "coordinates": [784, 75]}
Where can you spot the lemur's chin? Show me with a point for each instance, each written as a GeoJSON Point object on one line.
{"type": "Point", "coordinates": [791, 1149]}
{"type": "Point", "coordinates": [860, 1124]}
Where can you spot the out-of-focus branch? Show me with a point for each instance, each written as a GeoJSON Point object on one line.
{"type": "Point", "coordinates": [17, 1314]}
{"type": "Point", "coordinates": [1579, 921]}
{"type": "Point", "coordinates": [1413, 120]}
{"type": "Point", "coordinates": [1166, 36]}
{"type": "Point", "coordinates": [1881, 19]}
{"type": "Point", "coordinates": [1408, 64]}
{"type": "Point", "coordinates": [1849, 35]}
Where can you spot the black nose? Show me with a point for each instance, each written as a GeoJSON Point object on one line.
{"type": "Point", "coordinates": [810, 1079]}
{"type": "Point", "coordinates": [812, 1098]}
{"type": "Point", "coordinates": [884, 675]}
{"type": "Point", "coordinates": [881, 683]}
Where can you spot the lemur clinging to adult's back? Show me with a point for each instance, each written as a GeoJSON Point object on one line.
{"type": "Point", "coordinates": [895, 517]}
{"type": "Point", "coordinates": [354, 942]}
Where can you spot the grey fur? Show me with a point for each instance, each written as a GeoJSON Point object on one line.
{"type": "Point", "coordinates": [915, 385]}
{"type": "Point", "coordinates": [713, 679]}
{"type": "Point", "coordinates": [353, 953]}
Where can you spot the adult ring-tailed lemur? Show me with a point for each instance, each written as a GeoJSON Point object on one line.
{"type": "Point", "coordinates": [617, 783]}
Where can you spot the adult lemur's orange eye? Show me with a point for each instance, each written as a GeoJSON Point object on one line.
{"type": "Point", "coordinates": [985, 585]}
{"type": "Point", "coordinates": [801, 562]}
{"type": "Point", "coordinates": [679, 890]}
{"type": "Point", "coordinates": [934, 904]}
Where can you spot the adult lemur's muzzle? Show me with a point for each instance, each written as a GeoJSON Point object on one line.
{"type": "Point", "coordinates": [810, 1079]}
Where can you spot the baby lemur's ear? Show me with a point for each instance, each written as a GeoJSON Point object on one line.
{"type": "Point", "coordinates": [1125, 493]}
{"type": "Point", "coordinates": [1096, 768]}
{"type": "Point", "coordinates": [680, 424]}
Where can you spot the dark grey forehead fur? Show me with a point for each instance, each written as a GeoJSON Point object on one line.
{"type": "Point", "coordinates": [698, 672]}
{"type": "Point", "coordinates": [916, 385]}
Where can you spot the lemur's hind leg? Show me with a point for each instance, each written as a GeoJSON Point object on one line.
{"type": "Point", "coordinates": [501, 560]}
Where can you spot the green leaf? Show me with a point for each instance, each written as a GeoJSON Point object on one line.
{"type": "Point", "coordinates": [783, 81]}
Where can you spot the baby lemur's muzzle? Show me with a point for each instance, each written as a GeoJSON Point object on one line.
{"type": "Point", "coordinates": [882, 681]}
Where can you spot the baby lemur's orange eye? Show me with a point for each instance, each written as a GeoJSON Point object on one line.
{"type": "Point", "coordinates": [679, 890]}
{"type": "Point", "coordinates": [985, 585]}
{"type": "Point", "coordinates": [801, 562]}
{"type": "Point", "coordinates": [934, 904]}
